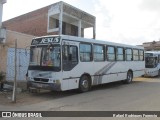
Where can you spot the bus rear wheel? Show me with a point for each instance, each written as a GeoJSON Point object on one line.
{"type": "Point", "coordinates": [129, 77]}
{"type": "Point", "coordinates": [84, 84]}
{"type": "Point", "coordinates": [159, 73]}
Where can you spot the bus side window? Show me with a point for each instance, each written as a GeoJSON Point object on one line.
{"type": "Point", "coordinates": [135, 55]}
{"type": "Point", "coordinates": [111, 53]}
{"type": "Point", "coordinates": [70, 57]}
{"type": "Point", "coordinates": [120, 54]}
{"type": "Point", "coordinates": [65, 52]}
{"type": "Point", "coordinates": [141, 55]}
{"type": "Point", "coordinates": [129, 54]}
{"type": "Point", "coordinates": [85, 52]}
{"type": "Point", "coordinates": [73, 54]}
{"type": "Point", "coordinates": [99, 53]}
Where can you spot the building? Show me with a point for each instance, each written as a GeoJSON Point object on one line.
{"type": "Point", "coordinates": [155, 45]}
{"type": "Point", "coordinates": [7, 54]}
{"type": "Point", "coordinates": [58, 18]}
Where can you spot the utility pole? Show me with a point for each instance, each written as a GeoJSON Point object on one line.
{"type": "Point", "coordinates": [15, 75]}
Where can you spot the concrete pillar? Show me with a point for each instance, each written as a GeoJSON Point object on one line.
{"type": "Point", "coordinates": [79, 28]}
{"type": "Point", "coordinates": [1, 11]}
{"type": "Point", "coordinates": [61, 18]}
{"type": "Point", "coordinates": [94, 31]}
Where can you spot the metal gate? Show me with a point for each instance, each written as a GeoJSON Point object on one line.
{"type": "Point", "coordinates": [22, 63]}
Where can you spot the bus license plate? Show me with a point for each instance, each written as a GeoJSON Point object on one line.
{"type": "Point", "coordinates": [39, 85]}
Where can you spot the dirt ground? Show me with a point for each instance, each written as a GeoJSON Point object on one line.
{"type": "Point", "coordinates": [29, 98]}
{"type": "Point", "coordinates": [22, 98]}
{"type": "Point", "coordinates": [142, 95]}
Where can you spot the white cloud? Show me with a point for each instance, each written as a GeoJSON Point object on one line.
{"type": "Point", "coordinates": [151, 5]}
{"type": "Point", "coordinates": [129, 23]}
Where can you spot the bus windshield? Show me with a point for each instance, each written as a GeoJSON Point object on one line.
{"type": "Point", "coordinates": [148, 54]}
{"type": "Point", "coordinates": [45, 56]}
{"type": "Point", "coordinates": [150, 62]}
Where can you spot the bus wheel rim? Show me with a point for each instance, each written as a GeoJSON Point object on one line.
{"type": "Point", "coordinates": [85, 83]}
{"type": "Point", "coordinates": [129, 77]}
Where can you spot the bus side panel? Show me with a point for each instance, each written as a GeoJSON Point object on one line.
{"type": "Point", "coordinates": [138, 73]}
{"type": "Point", "coordinates": [114, 77]}
{"type": "Point", "coordinates": [110, 72]}
{"type": "Point", "coordinates": [119, 70]}
{"type": "Point", "coordinates": [117, 73]}
{"type": "Point", "coordinates": [64, 85]}
{"type": "Point", "coordinates": [73, 76]}
{"type": "Point", "coordinates": [138, 69]}
{"type": "Point", "coordinates": [73, 83]}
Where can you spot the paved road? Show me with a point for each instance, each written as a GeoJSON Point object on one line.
{"type": "Point", "coordinates": [142, 95]}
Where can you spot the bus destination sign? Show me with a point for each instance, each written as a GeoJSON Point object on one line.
{"type": "Point", "coordinates": [45, 40]}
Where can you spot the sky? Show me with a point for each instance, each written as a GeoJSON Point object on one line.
{"type": "Point", "coordinates": [124, 21]}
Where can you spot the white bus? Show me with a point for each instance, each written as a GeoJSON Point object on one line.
{"type": "Point", "coordinates": [152, 63]}
{"type": "Point", "coordinates": [65, 62]}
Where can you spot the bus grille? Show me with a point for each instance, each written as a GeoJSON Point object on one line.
{"type": "Point", "coordinates": [41, 80]}
{"type": "Point", "coordinates": [150, 66]}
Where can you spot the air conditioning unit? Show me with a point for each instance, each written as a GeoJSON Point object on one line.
{"type": "Point", "coordinates": [2, 35]}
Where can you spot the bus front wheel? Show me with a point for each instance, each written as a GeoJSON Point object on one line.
{"type": "Point", "coordinates": [129, 77]}
{"type": "Point", "coordinates": [84, 84]}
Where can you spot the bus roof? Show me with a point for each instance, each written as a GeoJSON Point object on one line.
{"type": "Point", "coordinates": [153, 52]}
{"type": "Point", "coordinates": [80, 39]}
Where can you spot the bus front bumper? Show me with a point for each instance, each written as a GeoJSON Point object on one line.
{"type": "Point", "coordinates": [150, 73]}
{"type": "Point", "coordinates": [48, 86]}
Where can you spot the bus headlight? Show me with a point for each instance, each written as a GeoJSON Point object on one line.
{"type": "Point", "coordinates": [57, 81]}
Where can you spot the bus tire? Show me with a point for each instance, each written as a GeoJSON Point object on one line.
{"type": "Point", "coordinates": [84, 84]}
{"type": "Point", "coordinates": [159, 73]}
{"type": "Point", "coordinates": [129, 77]}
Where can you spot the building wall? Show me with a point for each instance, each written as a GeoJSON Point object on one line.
{"type": "Point", "coordinates": [33, 23]}
{"type": "Point", "coordinates": [23, 41]}
{"type": "Point", "coordinates": [155, 45]}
